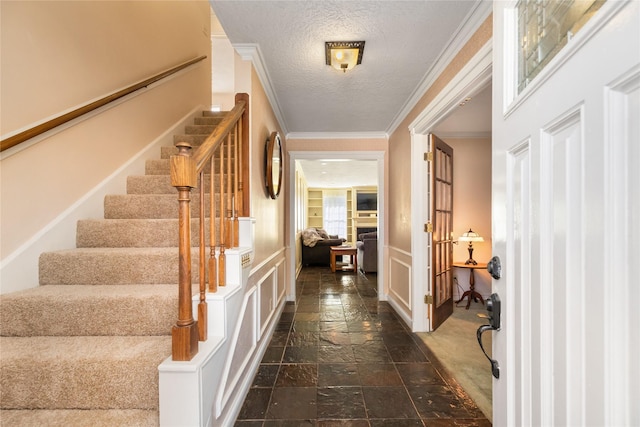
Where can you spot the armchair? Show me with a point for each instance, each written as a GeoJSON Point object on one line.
{"type": "Point", "coordinates": [367, 246]}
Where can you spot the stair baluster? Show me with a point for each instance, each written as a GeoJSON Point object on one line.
{"type": "Point", "coordinates": [222, 258]}
{"type": "Point", "coordinates": [236, 171]}
{"type": "Point", "coordinates": [202, 305]}
{"type": "Point", "coordinates": [213, 240]}
{"type": "Point", "coordinates": [229, 213]}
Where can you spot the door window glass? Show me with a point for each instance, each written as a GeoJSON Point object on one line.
{"type": "Point", "coordinates": [544, 27]}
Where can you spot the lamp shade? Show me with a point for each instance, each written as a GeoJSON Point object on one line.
{"type": "Point", "coordinates": [344, 56]}
{"type": "Point", "coordinates": [471, 236]}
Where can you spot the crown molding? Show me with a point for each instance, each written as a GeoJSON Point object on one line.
{"type": "Point", "coordinates": [467, 29]}
{"type": "Point", "coordinates": [251, 52]}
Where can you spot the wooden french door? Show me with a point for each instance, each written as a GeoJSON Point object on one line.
{"type": "Point", "coordinates": [441, 206]}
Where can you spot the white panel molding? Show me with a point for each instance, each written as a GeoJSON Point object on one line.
{"type": "Point", "coordinates": [400, 304]}
{"type": "Point", "coordinates": [518, 307]}
{"type": "Point", "coordinates": [564, 350]}
{"type": "Point", "coordinates": [267, 261]}
{"type": "Point", "coordinates": [278, 296]}
{"type": "Point", "coordinates": [234, 407]}
{"type": "Point", "coordinates": [268, 279]}
{"type": "Point", "coordinates": [227, 384]}
{"type": "Point", "coordinates": [400, 251]}
{"type": "Point", "coordinates": [621, 249]}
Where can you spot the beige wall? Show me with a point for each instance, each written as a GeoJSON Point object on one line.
{"type": "Point", "coordinates": [59, 55]}
{"type": "Point", "coordinates": [472, 205]}
{"type": "Point", "coordinates": [399, 212]}
{"type": "Point", "coordinates": [269, 213]}
{"type": "Point", "coordinates": [471, 194]}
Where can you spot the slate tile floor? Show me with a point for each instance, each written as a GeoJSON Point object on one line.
{"type": "Point", "coordinates": [339, 357]}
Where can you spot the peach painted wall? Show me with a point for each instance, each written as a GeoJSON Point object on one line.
{"type": "Point", "coordinates": [399, 212]}
{"type": "Point", "coordinates": [269, 213]}
{"type": "Point", "coordinates": [59, 55]}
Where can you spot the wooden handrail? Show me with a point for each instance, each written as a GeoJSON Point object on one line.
{"type": "Point", "coordinates": [227, 200]}
{"type": "Point", "coordinates": [14, 140]}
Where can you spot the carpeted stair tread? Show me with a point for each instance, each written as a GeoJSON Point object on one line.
{"type": "Point", "coordinates": [194, 140]}
{"type": "Point", "coordinates": [134, 233]}
{"type": "Point", "coordinates": [159, 184]}
{"type": "Point", "coordinates": [59, 310]}
{"type": "Point", "coordinates": [214, 120]}
{"type": "Point", "coordinates": [167, 152]}
{"type": "Point", "coordinates": [199, 129]}
{"type": "Point", "coordinates": [112, 266]}
{"type": "Point", "coordinates": [209, 113]}
{"type": "Point", "coordinates": [150, 184]}
{"type": "Point", "coordinates": [81, 372]}
{"type": "Point", "coordinates": [163, 167]}
{"type": "Point", "coordinates": [79, 418]}
{"type": "Point", "coordinates": [157, 167]}
{"type": "Point", "coordinates": [148, 206]}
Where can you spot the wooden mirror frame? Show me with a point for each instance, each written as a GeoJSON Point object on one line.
{"type": "Point", "coordinates": [273, 163]}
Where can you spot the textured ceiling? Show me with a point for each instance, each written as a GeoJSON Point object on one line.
{"type": "Point", "coordinates": [404, 40]}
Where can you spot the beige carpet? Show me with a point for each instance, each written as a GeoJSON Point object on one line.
{"type": "Point", "coordinates": [454, 343]}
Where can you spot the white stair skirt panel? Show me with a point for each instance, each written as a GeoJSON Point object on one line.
{"type": "Point", "coordinates": [209, 390]}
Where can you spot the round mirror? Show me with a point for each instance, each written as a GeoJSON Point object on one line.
{"type": "Point", "coordinates": [273, 157]}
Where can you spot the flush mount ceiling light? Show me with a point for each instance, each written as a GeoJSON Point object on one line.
{"type": "Point", "coordinates": [343, 56]}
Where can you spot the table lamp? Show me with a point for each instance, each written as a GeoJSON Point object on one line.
{"type": "Point", "coordinates": [471, 236]}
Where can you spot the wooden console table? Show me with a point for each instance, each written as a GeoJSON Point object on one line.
{"type": "Point", "coordinates": [349, 251]}
{"type": "Point", "coordinates": [471, 293]}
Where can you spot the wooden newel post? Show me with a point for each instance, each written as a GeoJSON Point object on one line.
{"type": "Point", "coordinates": [185, 332]}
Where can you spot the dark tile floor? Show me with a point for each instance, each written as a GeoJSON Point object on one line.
{"type": "Point", "coordinates": [339, 357]}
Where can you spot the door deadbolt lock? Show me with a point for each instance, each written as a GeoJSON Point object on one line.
{"type": "Point", "coordinates": [494, 268]}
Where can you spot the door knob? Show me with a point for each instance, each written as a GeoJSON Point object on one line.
{"type": "Point", "coordinates": [494, 268]}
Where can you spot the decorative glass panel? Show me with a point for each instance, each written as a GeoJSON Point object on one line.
{"type": "Point", "coordinates": [545, 27]}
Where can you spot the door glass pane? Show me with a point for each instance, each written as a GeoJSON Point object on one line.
{"type": "Point", "coordinates": [544, 27]}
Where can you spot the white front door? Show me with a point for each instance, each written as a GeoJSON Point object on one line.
{"type": "Point", "coordinates": [566, 226]}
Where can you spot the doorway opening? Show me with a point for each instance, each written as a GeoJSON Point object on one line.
{"type": "Point", "coordinates": [333, 163]}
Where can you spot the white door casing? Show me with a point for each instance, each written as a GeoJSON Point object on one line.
{"type": "Point", "coordinates": [566, 215]}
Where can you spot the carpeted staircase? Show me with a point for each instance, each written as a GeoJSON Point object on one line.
{"type": "Point", "coordinates": [83, 348]}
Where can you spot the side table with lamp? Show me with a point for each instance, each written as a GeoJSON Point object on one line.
{"type": "Point", "coordinates": [470, 264]}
